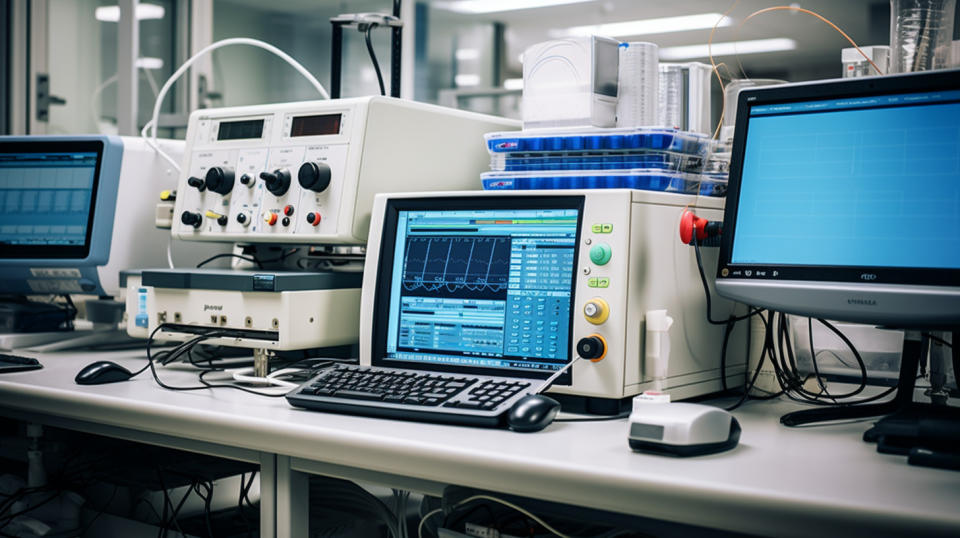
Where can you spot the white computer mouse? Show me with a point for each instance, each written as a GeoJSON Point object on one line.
{"type": "Point", "coordinates": [681, 429]}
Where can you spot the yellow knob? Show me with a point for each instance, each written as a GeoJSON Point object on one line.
{"type": "Point", "coordinates": [596, 311]}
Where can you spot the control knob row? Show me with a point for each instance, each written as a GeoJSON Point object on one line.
{"type": "Point", "coordinates": [313, 176]}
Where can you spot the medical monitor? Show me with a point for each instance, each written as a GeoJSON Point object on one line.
{"type": "Point", "coordinates": [844, 200]}
{"type": "Point", "coordinates": [76, 210]}
{"type": "Point", "coordinates": [477, 285]}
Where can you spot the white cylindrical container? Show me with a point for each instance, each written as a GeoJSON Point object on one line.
{"type": "Point", "coordinates": [638, 85]}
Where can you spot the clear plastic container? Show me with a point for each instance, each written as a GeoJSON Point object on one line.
{"type": "Point", "coordinates": [920, 34]}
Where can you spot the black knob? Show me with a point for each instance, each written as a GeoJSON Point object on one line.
{"type": "Point", "coordinates": [241, 217]}
{"type": "Point", "coordinates": [591, 347]}
{"type": "Point", "coordinates": [314, 176]}
{"type": "Point", "coordinates": [247, 180]}
{"type": "Point", "coordinates": [277, 182]}
{"type": "Point", "coordinates": [196, 182]}
{"type": "Point", "coordinates": [222, 220]}
{"type": "Point", "coordinates": [191, 219]}
{"type": "Point", "coordinates": [285, 221]}
{"type": "Point", "coordinates": [220, 179]}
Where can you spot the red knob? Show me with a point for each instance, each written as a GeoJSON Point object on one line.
{"type": "Point", "coordinates": [288, 210]}
{"type": "Point", "coordinates": [314, 218]}
{"type": "Point", "coordinates": [270, 218]}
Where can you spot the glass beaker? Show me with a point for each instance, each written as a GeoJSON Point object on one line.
{"type": "Point", "coordinates": [920, 34]}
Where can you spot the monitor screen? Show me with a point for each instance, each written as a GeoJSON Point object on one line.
{"type": "Point", "coordinates": [47, 195]}
{"type": "Point", "coordinates": [481, 285]}
{"type": "Point", "coordinates": [846, 182]}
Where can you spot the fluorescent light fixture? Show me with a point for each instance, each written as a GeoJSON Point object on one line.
{"type": "Point", "coordinates": [663, 25]}
{"type": "Point", "coordinates": [728, 48]}
{"type": "Point", "coordinates": [513, 84]}
{"type": "Point", "coordinates": [144, 12]}
{"type": "Point", "coordinates": [467, 54]}
{"type": "Point", "coordinates": [467, 80]}
{"type": "Point", "coordinates": [475, 7]}
{"type": "Point", "coordinates": [149, 63]}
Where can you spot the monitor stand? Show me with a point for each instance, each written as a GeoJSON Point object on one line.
{"type": "Point", "coordinates": [900, 408]}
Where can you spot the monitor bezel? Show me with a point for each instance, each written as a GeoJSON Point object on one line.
{"type": "Point", "coordinates": [727, 270]}
{"type": "Point", "coordinates": [59, 252]}
{"type": "Point", "coordinates": [385, 264]}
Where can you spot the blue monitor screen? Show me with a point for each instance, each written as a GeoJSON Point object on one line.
{"type": "Point", "coordinates": [857, 182]}
{"type": "Point", "coordinates": [46, 200]}
{"type": "Point", "coordinates": [482, 288]}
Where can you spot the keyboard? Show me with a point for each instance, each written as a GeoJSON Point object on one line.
{"type": "Point", "coordinates": [16, 363]}
{"type": "Point", "coordinates": [412, 395]}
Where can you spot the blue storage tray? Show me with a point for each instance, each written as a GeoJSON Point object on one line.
{"type": "Point", "coordinates": [625, 139]}
{"type": "Point", "coordinates": [660, 160]}
{"type": "Point", "coordinates": [651, 180]}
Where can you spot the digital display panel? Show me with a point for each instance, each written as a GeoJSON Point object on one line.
{"type": "Point", "coordinates": [481, 289]}
{"type": "Point", "coordinates": [47, 200]}
{"type": "Point", "coordinates": [325, 124]}
{"type": "Point", "coordinates": [238, 130]}
{"type": "Point", "coordinates": [872, 181]}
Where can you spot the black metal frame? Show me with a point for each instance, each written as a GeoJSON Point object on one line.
{"type": "Point", "coordinates": [336, 55]}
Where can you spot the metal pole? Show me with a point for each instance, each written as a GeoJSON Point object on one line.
{"type": "Point", "coordinates": [128, 50]}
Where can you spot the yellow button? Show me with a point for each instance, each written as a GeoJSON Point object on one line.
{"type": "Point", "coordinates": [603, 282]}
{"type": "Point", "coordinates": [597, 228]}
{"type": "Point", "coordinates": [593, 282]}
{"type": "Point", "coordinates": [606, 228]}
{"type": "Point", "coordinates": [164, 195]}
{"type": "Point", "coordinates": [212, 215]}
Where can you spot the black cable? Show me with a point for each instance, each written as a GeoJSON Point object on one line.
{"type": "Point", "coordinates": [727, 329]}
{"type": "Point", "coordinates": [601, 418]}
{"type": "Point", "coordinates": [938, 340]}
{"type": "Point", "coordinates": [204, 384]}
{"type": "Point", "coordinates": [251, 259]}
{"type": "Point", "coordinates": [813, 360]}
{"type": "Point", "coordinates": [373, 58]}
{"type": "Point", "coordinates": [90, 523]}
{"type": "Point", "coordinates": [706, 291]}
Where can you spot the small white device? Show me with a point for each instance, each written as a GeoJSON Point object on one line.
{"type": "Point", "coordinates": [685, 96]}
{"type": "Point", "coordinates": [306, 173]}
{"type": "Point", "coordinates": [681, 429]}
{"type": "Point", "coordinates": [571, 83]}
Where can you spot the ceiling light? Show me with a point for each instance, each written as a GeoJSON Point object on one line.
{"type": "Point", "coordinates": [649, 26]}
{"type": "Point", "coordinates": [144, 12]}
{"type": "Point", "coordinates": [690, 52]}
{"type": "Point", "coordinates": [467, 54]}
{"type": "Point", "coordinates": [513, 84]}
{"type": "Point", "coordinates": [492, 6]}
{"type": "Point", "coordinates": [149, 63]}
{"type": "Point", "coordinates": [466, 80]}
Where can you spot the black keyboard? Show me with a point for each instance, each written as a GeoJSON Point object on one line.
{"type": "Point", "coordinates": [412, 395]}
{"type": "Point", "coordinates": [16, 363]}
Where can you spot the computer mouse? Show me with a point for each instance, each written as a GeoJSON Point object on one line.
{"type": "Point", "coordinates": [681, 429]}
{"type": "Point", "coordinates": [101, 372]}
{"type": "Point", "coordinates": [532, 413]}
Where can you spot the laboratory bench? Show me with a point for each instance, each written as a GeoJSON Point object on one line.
{"type": "Point", "coordinates": [817, 480]}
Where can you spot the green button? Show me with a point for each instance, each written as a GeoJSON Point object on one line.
{"type": "Point", "coordinates": [593, 282]}
{"type": "Point", "coordinates": [606, 228]}
{"type": "Point", "coordinates": [600, 253]}
{"type": "Point", "coordinates": [597, 228]}
{"type": "Point", "coordinates": [603, 283]}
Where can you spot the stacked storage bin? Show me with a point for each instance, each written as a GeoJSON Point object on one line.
{"type": "Point", "coordinates": [656, 159]}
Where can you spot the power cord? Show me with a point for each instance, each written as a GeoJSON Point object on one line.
{"type": "Point", "coordinates": [373, 57]}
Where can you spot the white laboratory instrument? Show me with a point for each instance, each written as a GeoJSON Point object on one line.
{"type": "Point", "coordinates": [571, 83]}
{"type": "Point", "coordinates": [524, 282]}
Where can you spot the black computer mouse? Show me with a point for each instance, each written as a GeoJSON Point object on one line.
{"type": "Point", "coordinates": [101, 372]}
{"type": "Point", "coordinates": [532, 413]}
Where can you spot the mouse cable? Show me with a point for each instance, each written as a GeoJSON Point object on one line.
{"type": "Point", "coordinates": [599, 418]}
{"type": "Point", "coordinates": [205, 384]}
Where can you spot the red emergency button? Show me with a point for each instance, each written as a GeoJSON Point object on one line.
{"type": "Point", "coordinates": [288, 210]}
{"type": "Point", "coordinates": [270, 218]}
{"type": "Point", "coordinates": [314, 218]}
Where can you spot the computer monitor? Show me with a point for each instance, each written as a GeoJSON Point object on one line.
{"type": "Point", "coordinates": [844, 200]}
{"type": "Point", "coordinates": [76, 210]}
{"type": "Point", "coordinates": [475, 287]}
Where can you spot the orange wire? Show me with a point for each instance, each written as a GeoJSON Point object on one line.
{"type": "Point", "coordinates": [819, 16]}
{"type": "Point", "coordinates": [723, 90]}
